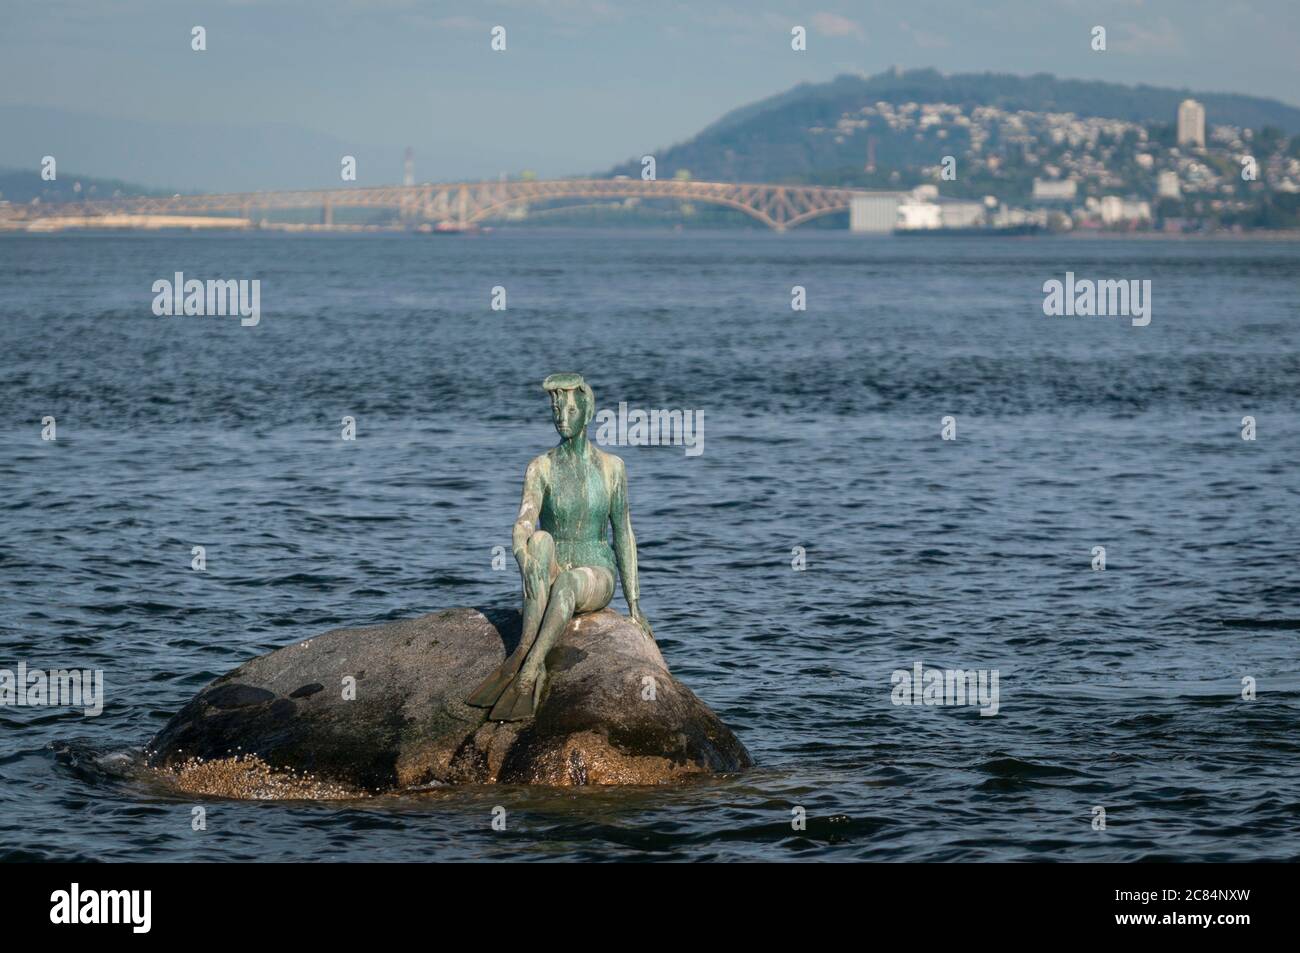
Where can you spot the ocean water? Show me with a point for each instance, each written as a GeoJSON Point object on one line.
{"type": "Point", "coordinates": [1119, 689]}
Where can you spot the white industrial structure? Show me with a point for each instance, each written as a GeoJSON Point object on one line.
{"type": "Point", "coordinates": [876, 214]}
{"type": "Point", "coordinates": [922, 210]}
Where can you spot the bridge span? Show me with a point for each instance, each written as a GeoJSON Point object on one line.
{"type": "Point", "coordinates": [466, 204]}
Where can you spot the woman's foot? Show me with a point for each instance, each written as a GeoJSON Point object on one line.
{"type": "Point", "coordinates": [521, 699]}
{"type": "Point", "coordinates": [490, 691]}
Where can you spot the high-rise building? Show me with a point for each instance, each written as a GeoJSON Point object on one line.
{"type": "Point", "coordinates": [1168, 186]}
{"type": "Point", "coordinates": [1191, 123]}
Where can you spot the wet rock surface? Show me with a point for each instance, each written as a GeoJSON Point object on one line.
{"type": "Point", "coordinates": [381, 708]}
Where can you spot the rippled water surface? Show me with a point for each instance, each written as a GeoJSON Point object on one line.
{"type": "Point", "coordinates": [1119, 689]}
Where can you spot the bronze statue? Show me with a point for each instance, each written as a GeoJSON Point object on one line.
{"type": "Point", "coordinates": [571, 493]}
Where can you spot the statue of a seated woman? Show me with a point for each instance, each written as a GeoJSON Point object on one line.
{"type": "Point", "coordinates": [571, 494]}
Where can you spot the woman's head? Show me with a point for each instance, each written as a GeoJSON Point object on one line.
{"type": "Point", "coordinates": [572, 403]}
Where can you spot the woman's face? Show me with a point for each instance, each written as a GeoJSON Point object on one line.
{"type": "Point", "coordinates": [568, 412]}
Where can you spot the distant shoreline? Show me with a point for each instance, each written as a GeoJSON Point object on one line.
{"type": "Point", "coordinates": [218, 226]}
{"type": "Point", "coordinates": [1261, 234]}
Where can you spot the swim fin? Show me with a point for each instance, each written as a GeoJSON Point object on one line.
{"type": "Point", "coordinates": [519, 701]}
{"type": "Point", "coordinates": [487, 694]}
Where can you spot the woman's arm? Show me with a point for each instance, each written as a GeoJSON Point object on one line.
{"type": "Point", "coordinates": [530, 508]}
{"type": "Point", "coordinates": [620, 518]}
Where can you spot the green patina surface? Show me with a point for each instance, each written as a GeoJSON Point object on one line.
{"type": "Point", "coordinates": [575, 498]}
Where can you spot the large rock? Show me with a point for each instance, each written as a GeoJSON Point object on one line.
{"type": "Point", "coordinates": [611, 714]}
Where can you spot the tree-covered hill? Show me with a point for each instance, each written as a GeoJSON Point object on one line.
{"type": "Point", "coordinates": [793, 136]}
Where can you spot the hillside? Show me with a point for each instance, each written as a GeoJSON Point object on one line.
{"type": "Point", "coordinates": [804, 133]}
{"type": "Point", "coordinates": [20, 186]}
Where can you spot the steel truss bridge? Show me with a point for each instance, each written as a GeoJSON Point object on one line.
{"type": "Point", "coordinates": [466, 204]}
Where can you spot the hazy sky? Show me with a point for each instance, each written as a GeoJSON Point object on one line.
{"type": "Point", "coordinates": [585, 83]}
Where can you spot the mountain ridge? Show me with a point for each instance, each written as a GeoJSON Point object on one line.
{"type": "Point", "coordinates": [774, 156]}
{"type": "Point", "coordinates": [767, 140]}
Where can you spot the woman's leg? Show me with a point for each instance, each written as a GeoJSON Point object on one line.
{"type": "Point", "coordinates": [575, 590]}
{"type": "Point", "coordinates": [585, 589]}
{"type": "Point", "coordinates": [539, 578]}
{"type": "Point", "coordinates": [541, 573]}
